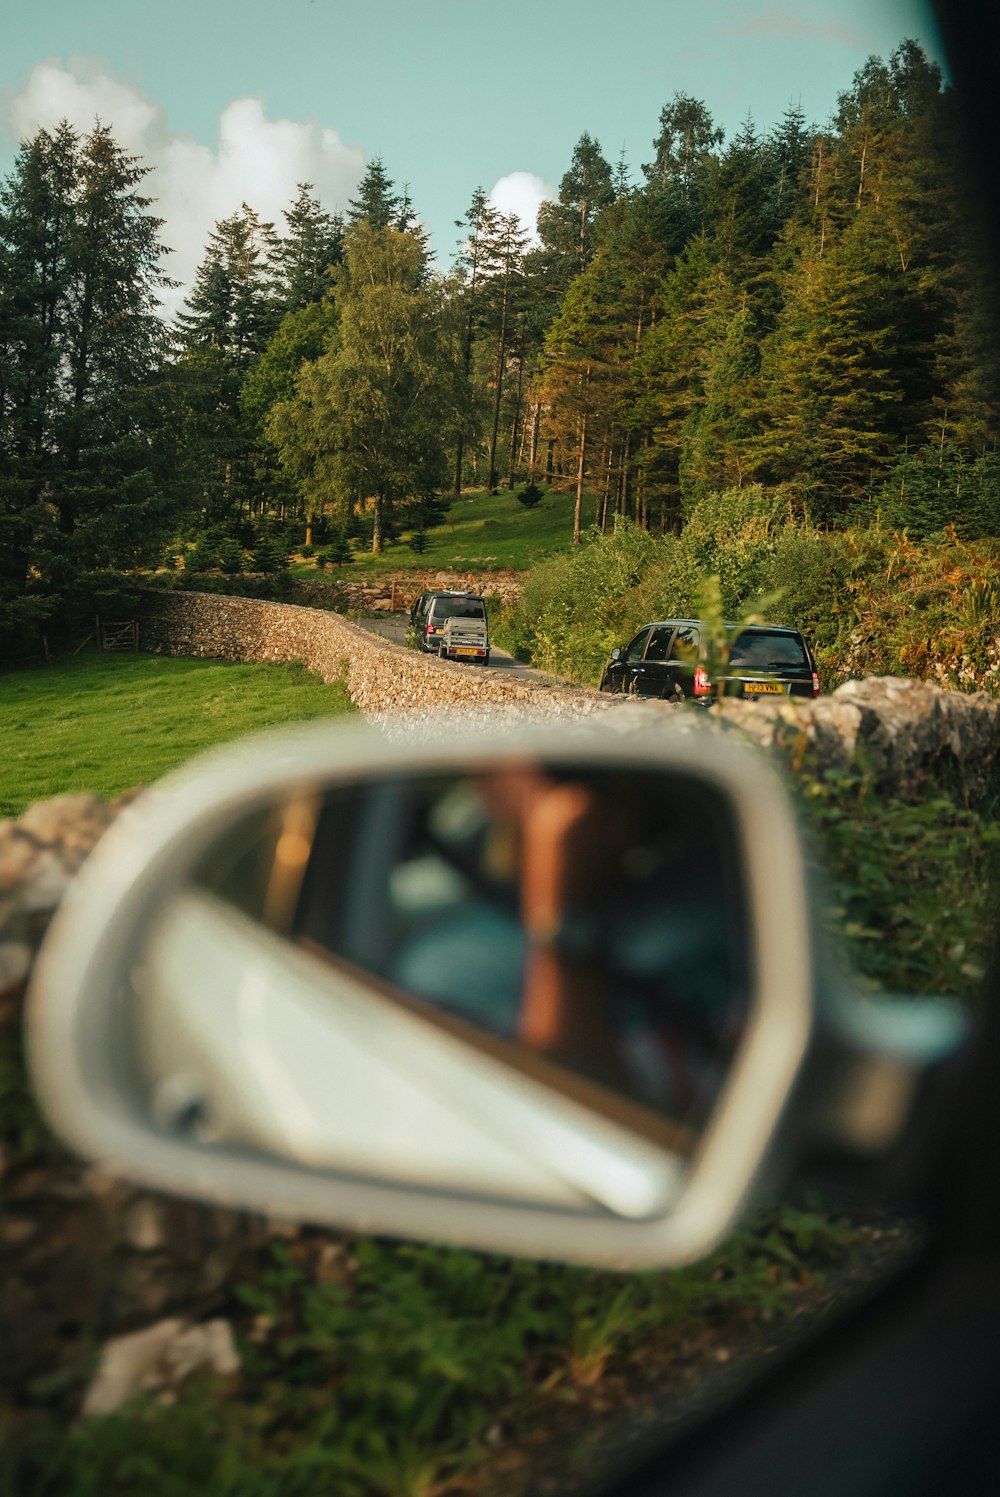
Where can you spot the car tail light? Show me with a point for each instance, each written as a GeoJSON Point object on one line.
{"type": "Point", "coordinates": [815, 684]}
{"type": "Point", "coordinates": [702, 685]}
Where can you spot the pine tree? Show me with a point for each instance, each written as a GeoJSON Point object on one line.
{"type": "Point", "coordinates": [680, 175]}
{"type": "Point", "coordinates": [567, 227]}
{"type": "Point", "coordinates": [80, 485]}
{"type": "Point", "coordinates": [473, 264]}
{"type": "Point", "coordinates": [377, 204]}
{"type": "Point", "coordinates": [503, 292]}
{"type": "Point", "coordinates": [302, 258]}
{"type": "Point", "coordinates": [233, 306]}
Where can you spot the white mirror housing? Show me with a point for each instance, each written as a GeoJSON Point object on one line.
{"type": "Point", "coordinates": [334, 1104]}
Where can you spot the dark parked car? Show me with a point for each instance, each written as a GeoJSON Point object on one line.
{"type": "Point", "coordinates": [670, 660]}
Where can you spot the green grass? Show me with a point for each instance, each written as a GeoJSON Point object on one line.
{"type": "Point", "coordinates": [482, 532]}
{"type": "Point", "coordinates": [105, 723]}
{"type": "Point", "coordinates": [424, 1365]}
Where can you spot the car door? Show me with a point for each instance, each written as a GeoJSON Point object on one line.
{"type": "Point", "coordinates": [631, 662]}
{"type": "Point", "coordinates": [677, 672]}
{"type": "Point", "coordinates": [650, 675]}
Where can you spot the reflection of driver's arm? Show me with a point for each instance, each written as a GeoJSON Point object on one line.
{"type": "Point", "coordinates": [564, 1010]}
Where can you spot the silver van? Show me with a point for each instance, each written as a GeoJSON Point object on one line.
{"type": "Point", "coordinates": [448, 606]}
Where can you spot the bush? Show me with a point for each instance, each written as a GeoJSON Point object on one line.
{"type": "Point", "coordinates": [338, 553]}
{"type": "Point", "coordinates": [530, 495]}
{"type": "Point", "coordinates": [270, 555]}
{"type": "Point", "coordinates": [230, 556]}
{"type": "Point", "coordinates": [870, 601]}
{"type": "Point", "coordinates": [203, 555]}
{"type": "Point", "coordinates": [275, 587]}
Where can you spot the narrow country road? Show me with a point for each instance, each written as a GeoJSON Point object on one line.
{"type": "Point", "coordinates": [393, 626]}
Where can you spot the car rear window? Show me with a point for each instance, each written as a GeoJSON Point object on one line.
{"type": "Point", "coordinates": [766, 650]}
{"type": "Point", "coordinates": [458, 608]}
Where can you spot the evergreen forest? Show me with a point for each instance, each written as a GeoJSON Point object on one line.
{"type": "Point", "coordinates": [803, 316]}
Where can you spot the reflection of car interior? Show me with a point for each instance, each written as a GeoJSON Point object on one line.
{"type": "Point", "coordinates": [430, 899]}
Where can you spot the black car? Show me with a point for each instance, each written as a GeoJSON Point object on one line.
{"type": "Point", "coordinates": [670, 660]}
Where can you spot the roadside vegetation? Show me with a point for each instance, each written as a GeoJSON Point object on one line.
{"type": "Point", "coordinates": [870, 599]}
{"type": "Point", "coordinates": [430, 1372]}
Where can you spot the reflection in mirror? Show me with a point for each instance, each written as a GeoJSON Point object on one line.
{"type": "Point", "coordinates": [582, 929]}
{"type": "Point", "coordinates": [595, 918]}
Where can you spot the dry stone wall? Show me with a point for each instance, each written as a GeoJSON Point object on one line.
{"type": "Point", "coordinates": [901, 730]}
{"type": "Point", "coordinates": [384, 594]}
{"type": "Point", "coordinates": [384, 680]}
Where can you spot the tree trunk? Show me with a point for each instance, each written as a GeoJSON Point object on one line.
{"type": "Point", "coordinates": [517, 418]}
{"type": "Point", "coordinates": [606, 494]}
{"type": "Point", "coordinates": [601, 465]}
{"type": "Point", "coordinates": [377, 524]}
{"type": "Point", "coordinates": [491, 482]}
{"type": "Point", "coordinates": [536, 416]}
{"type": "Point", "coordinates": [578, 508]}
{"type": "Point", "coordinates": [459, 454]}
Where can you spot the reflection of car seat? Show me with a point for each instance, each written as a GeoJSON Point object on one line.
{"type": "Point", "coordinates": [468, 961]}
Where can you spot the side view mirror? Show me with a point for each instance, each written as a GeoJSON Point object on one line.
{"type": "Point", "coordinates": [554, 998]}
{"type": "Point", "coordinates": [617, 652]}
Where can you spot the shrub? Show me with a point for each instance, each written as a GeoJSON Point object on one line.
{"type": "Point", "coordinates": [203, 555]}
{"type": "Point", "coordinates": [871, 601]}
{"type": "Point", "coordinates": [270, 554]}
{"type": "Point", "coordinates": [338, 553]}
{"type": "Point", "coordinates": [230, 556]}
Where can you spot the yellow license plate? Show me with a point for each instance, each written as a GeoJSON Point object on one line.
{"type": "Point", "coordinates": [763, 688]}
{"type": "Point", "coordinates": [460, 651]}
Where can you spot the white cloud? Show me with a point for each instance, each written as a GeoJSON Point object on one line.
{"type": "Point", "coordinates": [255, 160]}
{"type": "Point", "coordinates": [522, 193]}
{"type": "Point", "coordinates": [80, 94]}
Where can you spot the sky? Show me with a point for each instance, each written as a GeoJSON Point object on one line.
{"type": "Point", "coordinates": [239, 100]}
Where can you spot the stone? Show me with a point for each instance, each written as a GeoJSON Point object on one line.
{"type": "Point", "coordinates": [16, 1230]}
{"type": "Point", "coordinates": [144, 1227]}
{"type": "Point", "coordinates": [72, 823]}
{"type": "Point", "coordinates": [157, 1360]}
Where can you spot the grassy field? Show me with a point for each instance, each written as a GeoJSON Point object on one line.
{"type": "Point", "coordinates": [107, 722]}
{"type": "Point", "coordinates": [485, 532]}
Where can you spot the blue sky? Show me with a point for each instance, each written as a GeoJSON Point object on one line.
{"type": "Point", "coordinates": [240, 99]}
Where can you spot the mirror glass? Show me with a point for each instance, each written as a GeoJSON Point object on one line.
{"type": "Point", "coordinates": [578, 932]}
